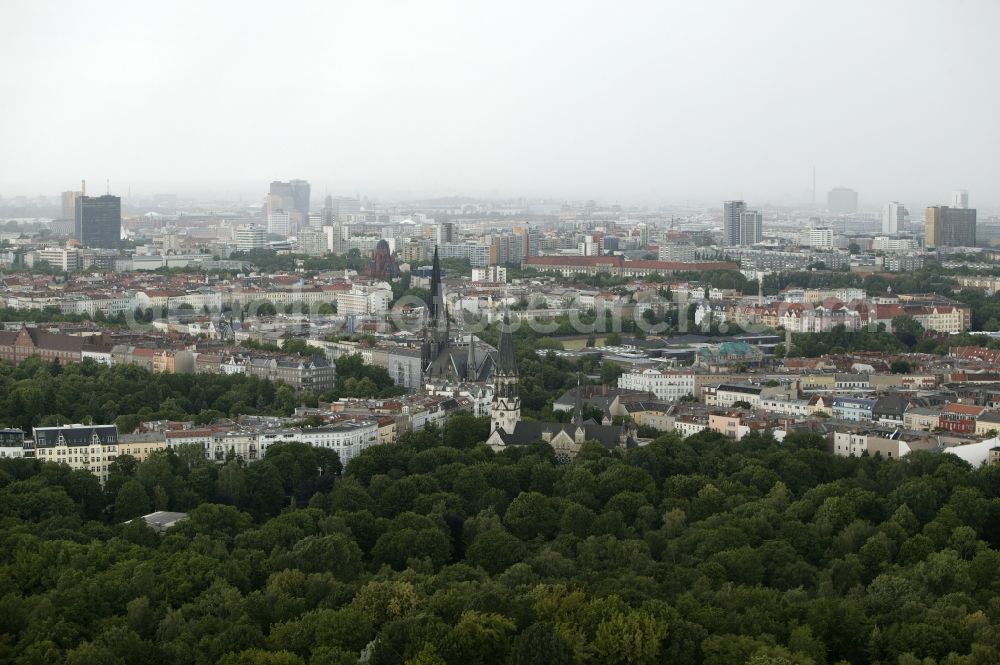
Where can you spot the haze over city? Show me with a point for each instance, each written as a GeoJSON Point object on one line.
{"type": "Point", "coordinates": [667, 102]}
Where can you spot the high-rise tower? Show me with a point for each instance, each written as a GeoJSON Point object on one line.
{"type": "Point", "coordinates": [99, 221]}
{"type": "Point", "coordinates": [731, 222]}
{"type": "Point", "coordinates": [895, 218]}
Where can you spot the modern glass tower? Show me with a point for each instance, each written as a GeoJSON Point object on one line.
{"type": "Point", "coordinates": [99, 220]}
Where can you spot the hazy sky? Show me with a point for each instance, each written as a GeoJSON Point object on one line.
{"type": "Point", "coordinates": [630, 101]}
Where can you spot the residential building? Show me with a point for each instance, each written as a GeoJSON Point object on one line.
{"type": "Point", "coordinates": [141, 446]}
{"type": "Point", "coordinates": [740, 226]}
{"type": "Point", "coordinates": [988, 424]}
{"type": "Point", "coordinates": [960, 418]}
{"type": "Point", "coordinates": [821, 238]}
{"type": "Point", "coordinates": [496, 274]}
{"type": "Point", "coordinates": [12, 444]}
{"type": "Point", "coordinates": [751, 227]}
{"type": "Point", "coordinates": [314, 374]}
{"type": "Point", "coordinates": [921, 418]}
{"type": "Point", "coordinates": [853, 408]}
{"type": "Point", "coordinates": [311, 241]}
{"type": "Point", "coordinates": [618, 266]}
{"type": "Point", "coordinates": [731, 211]}
{"type": "Point", "coordinates": [81, 447]}
{"type": "Point", "coordinates": [729, 424]}
{"type": "Point", "coordinates": [66, 259]}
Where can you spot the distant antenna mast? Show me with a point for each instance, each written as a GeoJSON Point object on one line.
{"type": "Point", "coordinates": [83, 187]}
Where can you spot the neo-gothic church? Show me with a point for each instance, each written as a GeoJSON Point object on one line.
{"type": "Point", "coordinates": [507, 428]}
{"type": "Point", "coordinates": [442, 359]}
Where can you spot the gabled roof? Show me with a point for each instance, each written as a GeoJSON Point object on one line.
{"type": "Point", "coordinates": [963, 409]}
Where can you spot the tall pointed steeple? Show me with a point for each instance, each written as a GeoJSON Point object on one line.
{"type": "Point", "coordinates": [437, 293]}
{"type": "Point", "coordinates": [506, 407]}
{"type": "Point", "coordinates": [578, 407]}
{"type": "Point", "coordinates": [436, 326]}
{"type": "Point", "coordinates": [470, 362]}
{"type": "Point", "coordinates": [506, 362]}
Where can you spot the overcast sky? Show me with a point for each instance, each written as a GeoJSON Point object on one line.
{"type": "Point", "coordinates": [636, 102]}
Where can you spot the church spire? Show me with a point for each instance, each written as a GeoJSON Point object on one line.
{"type": "Point", "coordinates": [470, 363]}
{"type": "Point", "coordinates": [506, 362]}
{"type": "Point", "coordinates": [506, 408]}
{"type": "Point", "coordinates": [578, 409]}
{"type": "Point", "coordinates": [437, 295]}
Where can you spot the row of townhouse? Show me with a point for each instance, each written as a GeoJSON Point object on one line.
{"type": "Point", "coordinates": [348, 438]}
{"type": "Point", "coordinates": [108, 304]}
{"type": "Point", "coordinates": [17, 346]}
{"type": "Point", "coordinates": [91, 448]}
{"type": "Point", "coordinates": [860, 382]}
{"type": "Point", "coordinates": [725, 395]}
{"type": "Point", "coordinates": [890, 443]}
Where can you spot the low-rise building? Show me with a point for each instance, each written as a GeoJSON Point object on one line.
{"type": "Point", "coordinates": [922, 419]}
{"type": "Point", "coordinates": [960, 418]}
{"type": "Point", "coordinates": [854, 409]}
{"type": "Point", "coordinates": [12, 444]}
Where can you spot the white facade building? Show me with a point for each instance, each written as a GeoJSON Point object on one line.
{"type": "Point", "coordinates": [892, 245]}
{"type": "Point", "coordinates": [664, 385]}
{"type": "Point", "coordinates": [251, 237]}
{"type": "Point", "coordinates": [279, 223]}
{"type": "Point", "coordinates": [819, 238]}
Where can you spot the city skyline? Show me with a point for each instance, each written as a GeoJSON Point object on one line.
{"type": "Point", "coordinates": [589, 105]}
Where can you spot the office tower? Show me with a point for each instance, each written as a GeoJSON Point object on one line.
{"type": "Point", "coordinates": [301, 191]}
{"type": "Point", "coordinates": [279, 223]}
{"type": "Point", "coordinates": [949, 227]}
{"type": "Point", "coordinates": [960, 198]}
{"type": "Point", "coordinates": [731, 212]}
{"type": "Point", "coordinates": [250, 238]}
{"type": "Point", "coordinates": [291, 197]}
{"type": "Point", "coordinates": [895, 218]}
{"type": "Point", "coordinates": [444, 233]}
{"type": "Point", "coordinates": [315, 220]}
{"type": "Point", "coordinates": [751, 227]}
{"type": "Point", "coordinates": [99, 220]}
{"type": "Point", "coordinates": [69, 204]}
{"type": "Point", "coordinates": [329, 213]}
{"type": "Point", "coordinates": [932, 227]}
{"type": "Point", "coordinates": [842, 201]}
{"type": "Point", "coordinates": [343, 207]}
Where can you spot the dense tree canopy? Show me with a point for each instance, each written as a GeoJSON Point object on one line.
{"type": "Point", "coordinates": [437, 550]}
{"type": "Point", "coordinates": [38, 393]}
